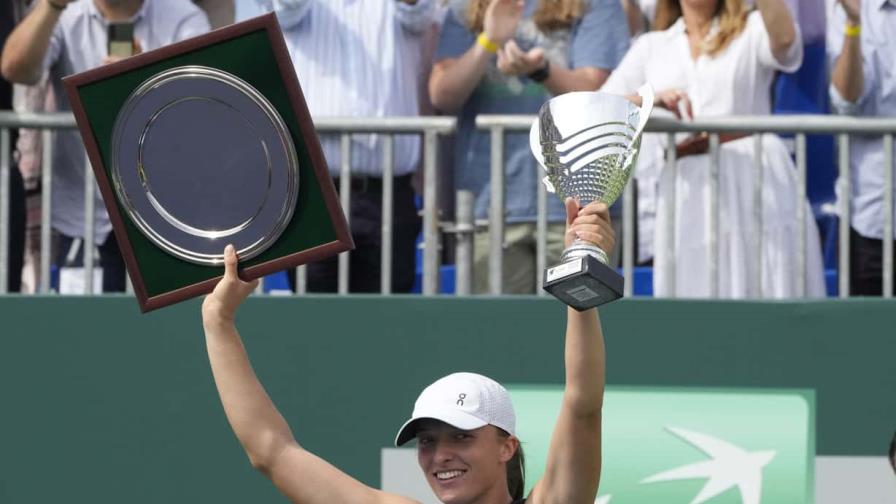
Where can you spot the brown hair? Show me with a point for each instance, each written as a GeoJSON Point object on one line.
{"type": "Point", "coordinates": [549, 15]}
{"type": "Point", "coordinates": [732, 17]}
{"type": "Point", "coordinates": [893, 451]}
{"type": "Point", "coordinates": [516, 470]}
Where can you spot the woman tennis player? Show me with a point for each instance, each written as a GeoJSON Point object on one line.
{"type": "Point", "coordinates": [463, 424]}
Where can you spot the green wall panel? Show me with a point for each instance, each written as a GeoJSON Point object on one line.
{"type": "Point", "coordinates": [102, 404]}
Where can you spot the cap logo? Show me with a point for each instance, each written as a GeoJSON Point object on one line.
{"type": "Point", "coordinates": [460, 399]}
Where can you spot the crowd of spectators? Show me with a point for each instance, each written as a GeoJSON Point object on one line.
{"type": "Point", "coordinates": [704, 58]}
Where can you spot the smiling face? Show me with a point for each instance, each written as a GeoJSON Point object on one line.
{"type": "Point", "coordinates": [465, 466]}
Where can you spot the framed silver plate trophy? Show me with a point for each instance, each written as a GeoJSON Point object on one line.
{"type": "Point", "coordinates": [205, 143]}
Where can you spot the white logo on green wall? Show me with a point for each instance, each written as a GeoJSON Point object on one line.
{"type": "Point", "coordinates": [730, 466]}
{"type": "Point", "coordinates": [688, 446]}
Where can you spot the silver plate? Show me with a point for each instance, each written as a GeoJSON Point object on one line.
{"type": "Point", "coordinates": [201, 159]}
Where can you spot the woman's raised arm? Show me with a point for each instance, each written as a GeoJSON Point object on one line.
{"type": "Point", "coordinates": [262, 431]}
{"type": "Point", "coordinates": [572, 471]}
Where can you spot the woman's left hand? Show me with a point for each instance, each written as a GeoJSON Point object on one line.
{"type": "Point", "coordinates": [229, 293]}
{"type": "Point", "coordinates": [513, 61]}
{"type": "Point", "coordinates": [591, 224]}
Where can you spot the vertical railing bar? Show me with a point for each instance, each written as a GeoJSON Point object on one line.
{"type": "Point", "coordinates": [713, 217]}
{"type": "Point", "coordinates": [5, 210]}
{"type": "Point", "coordinates": [628, 238]}
{"type": "Point", "coordinates": [887, 288]}
{"type": "Point", "coordinates": [301, 280]}
{"type": "Point", "coordinates": [541, 226]}
{"type": "Point", "coordinates": [46, 207]}
{"type": "Point", "coordinates": [672, 171]}
{"type": "Point", "coordinates": [388, 205]}
{"type": "Point", "coordinates": [463, 257]}
{"type": "Point", "coordinates": [801, 262]}
{"type": "Point", "coordinates": [430, 214]}
{"type": "Point", "coordinates": [496, 213]}
{"type": "Point", "coordinates": [757, 213]}
{"type": "Point", "coordinates": [89, 224]}
{"type": "Point", "coordinates": [845, 196]}
{"type": "Point", "coordinates": [345, 197]}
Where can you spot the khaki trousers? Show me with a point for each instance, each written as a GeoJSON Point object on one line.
{"type": "Point", "coordinates": [520, 250]}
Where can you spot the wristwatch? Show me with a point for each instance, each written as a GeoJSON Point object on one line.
{"type": "Point", "coordinates": [542, 73]}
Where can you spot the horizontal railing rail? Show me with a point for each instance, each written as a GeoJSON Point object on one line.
{"type": "Point", "coordinates": [429, 129]}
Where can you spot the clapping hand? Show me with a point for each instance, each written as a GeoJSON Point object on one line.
{"type": "Point", "coordinates": [501, 19]}
{"type": "Point", "coordinates": [513, 61]}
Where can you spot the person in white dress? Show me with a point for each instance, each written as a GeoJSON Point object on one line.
{"type": "Point", "coordinates": [716, 58]}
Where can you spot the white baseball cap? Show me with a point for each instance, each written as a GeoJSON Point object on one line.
{"type": "Point", "coordinates": [464, 400]}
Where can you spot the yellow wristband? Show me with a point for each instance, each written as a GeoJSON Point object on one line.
{"type": "Point", "coordinates": [853, 30]}
{"type": "Point", "coordinates": [486, 44]}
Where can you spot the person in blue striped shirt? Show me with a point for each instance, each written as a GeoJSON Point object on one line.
{"type": "Point", "coordinates": [361, 59]}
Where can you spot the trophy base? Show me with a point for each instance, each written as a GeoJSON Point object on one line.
{"type": "Point", "coordinates": [583, 283]}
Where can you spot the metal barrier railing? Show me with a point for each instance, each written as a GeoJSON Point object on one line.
{"type": "Point", "coordinates": [48, 123]}
{"type": "Point", "coordinates": [430, 128]}
{"type": "Point", "coordinates": [499, 125]}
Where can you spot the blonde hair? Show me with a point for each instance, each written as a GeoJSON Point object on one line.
{"type": "Point", "coordinates": [732, 17]}
{"type": "Point", "coordinates": [549, 15]}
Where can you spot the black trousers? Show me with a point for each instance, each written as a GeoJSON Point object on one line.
{"type": "Point", "coordinates": [366, 226]}
{"type": "Point", "coordinates": [866, 265]}
{"type": "Point", "coordinates": [16, 258]}
{"type": "Point", "coordinates": [110, 260]}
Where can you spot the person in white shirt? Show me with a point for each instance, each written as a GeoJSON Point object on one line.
{"type": "Point", "coordinates": [863, 83]}
{"type": "Point", "coordinates": [718, 59]}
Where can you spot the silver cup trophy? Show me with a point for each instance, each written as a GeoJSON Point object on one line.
{"type": "Point", "coordinates": [588, 144]}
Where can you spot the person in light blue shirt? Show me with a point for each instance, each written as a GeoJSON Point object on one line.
{"type": "Point", "coordinates": [863, 83]}
{"type": "Point", "coordinates": [63, 37]}
{"type": "Point", "coordinates": [509, 57]}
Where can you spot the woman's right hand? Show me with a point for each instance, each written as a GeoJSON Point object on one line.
{"type": "Point", "coordinates": [676, 101]}
{"type": "Point", "coordinates": [230, 292]}
{"type": "Point", "coordinates": [501, 19]}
